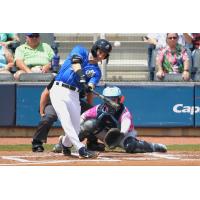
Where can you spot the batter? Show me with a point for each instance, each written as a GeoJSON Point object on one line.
{"type": "Point", "coordinates": [80, 72]}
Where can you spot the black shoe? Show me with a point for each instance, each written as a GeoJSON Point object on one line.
{"type": "Point", "coordinates": [96, 146]}
{"type": "Point", "coordinates": [37, 148]}
{"type": "Point", "coordinates": [66, 150]}
{"type": "Point", "coordinates": [85, 153]}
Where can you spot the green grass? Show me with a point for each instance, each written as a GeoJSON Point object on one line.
{"type": "Point", "coordinates": [22, 147]}
{"type": "Point", "coordinates": [184, 147]}
{"type": "Point", "coordinates": [49, 147]}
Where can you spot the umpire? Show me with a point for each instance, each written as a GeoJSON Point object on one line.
{"type": "Point", "coordinates": [49, 116]}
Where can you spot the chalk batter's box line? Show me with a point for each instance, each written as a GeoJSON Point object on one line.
{"type": "Point", "coordinates": [28, 162]}
{"type": "Point", "coordinates": [22, 161]}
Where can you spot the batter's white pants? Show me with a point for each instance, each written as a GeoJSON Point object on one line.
{"type": "Point", "coordinates": [67, 106]}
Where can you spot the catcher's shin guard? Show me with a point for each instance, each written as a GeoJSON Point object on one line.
{"type": "Point", "coordinates": [159, 147]}
{"type": "Point", "coordinates": [93, 144]}
{"type": "Point", "coordinates": [133, 145]}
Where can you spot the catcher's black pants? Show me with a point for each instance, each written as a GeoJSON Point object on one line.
{"type": "Point", "coordinates": [47, 121]}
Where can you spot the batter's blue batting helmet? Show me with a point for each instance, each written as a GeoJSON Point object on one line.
{"type": "Point", "coordinates": [102, 44]}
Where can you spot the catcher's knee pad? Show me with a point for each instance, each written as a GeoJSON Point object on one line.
{"type": "Point", "coordinates": [87, 128]}
{"type": "Point", "coordinates": [89, 125]}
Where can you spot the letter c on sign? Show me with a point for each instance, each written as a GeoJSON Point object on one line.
{"type": "Point", "coordinates": [175, 108]}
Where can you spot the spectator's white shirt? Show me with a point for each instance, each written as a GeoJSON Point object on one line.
{"type": "Point", "coordinates": [160, 37]}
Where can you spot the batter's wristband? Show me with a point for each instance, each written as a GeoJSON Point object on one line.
{"type": "Point", "coordinates": [80, 74]}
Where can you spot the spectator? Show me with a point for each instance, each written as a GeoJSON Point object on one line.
{"type": "Point", "coordinates": [6, 39]}
{"type": "Point", "coordinates": [196, 51]}
{"type": "Point", "coordinates": [157, 41]}
{"type": "Point", "coordinates": [196, 40]}
{"type": "Point", "coordinates": [33, 56]}
{"type": "Point", "coordinates": [173, 58]}
{"type": "Point", "coordinates": [6, 60]}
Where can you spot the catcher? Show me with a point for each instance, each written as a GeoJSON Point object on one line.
{"type": "Point", "coordinates": [114, 128]}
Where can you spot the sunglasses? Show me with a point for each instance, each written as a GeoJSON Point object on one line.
{"type": "Point", "coordinates": [34, 36]}
{"type": "Point", "coordinates": [170, 38]}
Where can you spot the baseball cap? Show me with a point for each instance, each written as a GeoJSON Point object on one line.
{"type": "Point", "coordinates": [31, 34]}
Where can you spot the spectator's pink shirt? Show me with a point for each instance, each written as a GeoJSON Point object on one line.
{"type": "Point", "coordinates": [167, 51]}
{"type": "Point", "coordinates": [172, 62]}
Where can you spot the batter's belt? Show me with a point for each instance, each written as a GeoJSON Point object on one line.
{"type": "Point", "coordinates": [67, 86]}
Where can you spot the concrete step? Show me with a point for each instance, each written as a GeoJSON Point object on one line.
{"type": "Point", "coordinates": [127, 65]}
{"type": "Point", "coordinates": [126, 68]}
{"type": "Point", "coordinates": [124, 36]}
{"type": "Point", "coordinates": [88, 44]}
{"type": "Point", "coordinates": [71, 44]}
{"type": "Point", "coordinates": [94, 36]}
{"type": "Point", "coordinates": [126, 54]}
{"type": "Point", "coordinates": [130, 56]}
{"type": "Point", "coordinates": [75, 36]}
{"type": "Point", "coordinates": [127, 76]}
{"type": "Point", "coordinates": [130, 61]}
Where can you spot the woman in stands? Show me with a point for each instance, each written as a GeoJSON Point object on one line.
{"type": "Point", "coordinates": [173, 59]}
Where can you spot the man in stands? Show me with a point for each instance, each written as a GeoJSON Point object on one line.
{"type": "Point", "coordinates": [33, 56]}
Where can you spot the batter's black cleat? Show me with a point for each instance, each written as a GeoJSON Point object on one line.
{"type": "Point", "coordinates": [85, 153]}
{"type": "Point", "coordinates": [159, 148]}
{"type": "Point", "coordinates": [37, 148]}
{"type": "Point", "coordinates": [60, 148]}
{"type": "Point", "coordinates": [66, 151]}
{"type": "Point", "coordinates": [95, 146]}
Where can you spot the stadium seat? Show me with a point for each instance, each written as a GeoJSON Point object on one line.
{"type": "Point", "coordinates": [197, 77]}
{"type": "Point", "coordinates": [6, 77]}
{"type": "Point", "coordinates": [36, 77]}
{"type": "Point", "coordinates": [171, 78]}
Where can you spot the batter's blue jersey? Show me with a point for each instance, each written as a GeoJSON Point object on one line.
{"type": "Point", "coordinates": [67, 75]}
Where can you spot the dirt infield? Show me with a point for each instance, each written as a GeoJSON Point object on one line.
{"type": "Point", "coordinates": [48, 158]}
{"type": "Point", "coordinates": [104, 159]}
{"type": "Point", "coordinates": [164, 140]}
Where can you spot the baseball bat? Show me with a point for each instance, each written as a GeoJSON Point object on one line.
{"type": "Point", "coordinates": [107, 100]}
